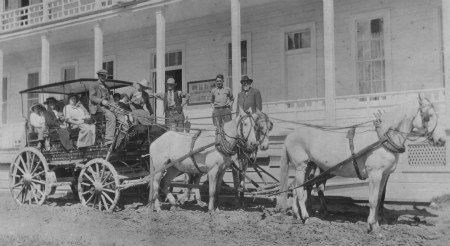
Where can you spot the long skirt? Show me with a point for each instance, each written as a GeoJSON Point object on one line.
{"type": "Point", "coordinates": [86, 136]}
{"type": "Point", "coordinates": [142, 117]}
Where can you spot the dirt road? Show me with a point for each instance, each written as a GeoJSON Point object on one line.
{"type": "Point", "coordinates": [64, 221]}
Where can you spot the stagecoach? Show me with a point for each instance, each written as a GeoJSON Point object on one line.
{"type": "Point", "coordinates": [97, 174]}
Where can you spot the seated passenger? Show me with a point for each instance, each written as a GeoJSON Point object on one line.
{"type": "Point", "coordinates": [124, 102]}
{"type": "Point", "coordinates": [79, 118]}
{"type": "Point", "coordinates": [54, 124]}
{"type": "Point", "coordinates": [140, 104]}
{"type": "Point", "coordinates": [116, 97]}
{"type": "Point", "coordinates": [37, 121]}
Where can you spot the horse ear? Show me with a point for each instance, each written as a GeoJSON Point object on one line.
{"type": "Point", "coordinates": [421, 97]}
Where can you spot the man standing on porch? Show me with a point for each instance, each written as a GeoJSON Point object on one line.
{"type": "Point", "coordinates": [222, 101]}
{"type": "Point", "coordinates": [173, 104]}
{"type": "Point", "coordinates": [249, 97]}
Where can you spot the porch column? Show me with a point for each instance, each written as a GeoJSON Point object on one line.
{"type": "Point", "coordinates": [160, 59]}
{"type": "Point", "coordinates": [1, 86]}
{"type": "Point", "coordinates": [45, 60]}
{"type": "Point", "coordinates": [236, 46]}
{"type": "Point", "coordinates": [446, 49]}
{"type": "Point", "coordinates": [98, 48]}
{"type": "Point", "coordinates": [328, 33]}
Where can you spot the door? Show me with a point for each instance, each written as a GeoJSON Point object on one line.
{"type": "Point", "coordinates": [300, 62]}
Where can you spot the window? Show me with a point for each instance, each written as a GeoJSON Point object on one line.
{"type": "Point", "coordinates": [33, 80]}
{"type": "Point", "coordinates": [244, 62]}
{"type": "Point", "coordinates": [173, 58]}
{"type": "Point", "coordinates": [4, 100]}
{"type": "Point", "coordinates": [370, 59]}
{"type": "Point", "coordinates": [298, 40]}
{"type": "Point", "coordinates": [109, 67]}
{"type": "Point", "coordinates": [68, 73]}
{"type": "Point", "coordinates": [174, 66]}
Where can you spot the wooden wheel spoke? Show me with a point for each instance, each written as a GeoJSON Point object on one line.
{"type": "Point", "coordinates": [108, 197]}
{"type": "Point", "coordinates": [39, 190]}
{"type": "Point", "coordinates": [102, 173]}
{"type": "Point", "coordinates": [20, 192]}
{"type": "Point", "coordinates": [104, 202]}
{"type": "Point", "coordinates": [106, 177]}
{"type": "Point", "coordinates": [85, 184]}
{"type": "Point", "coordinates": [99, 202]}
{"type": "Point", "coordinates": [38, 174]}
{"type": "Point", "coordinates": [93, 173]}
{"type": "Point", "coordinates": [18, 167]}
{"type": "Point", "coordinates": [35, 167]}
{"type": "Point", "coordinates": [17, 185]}
{"type": "Point", "coordinates": [89, 178]}
{"type": "Point", "coordinates": [108, 184]}
{"type": "Point", "coordinates": [84, 193]}
{"type": "Point", "coordinates": [109, 190]}
{"type": "Point", "coordinates": [24, 164]}
{"type": "Point", "coordinates": [97, 171]}
{"type": "Point", "coordinates": [90, 198]}
{"type": "Point", "coordinates": [38, 181]}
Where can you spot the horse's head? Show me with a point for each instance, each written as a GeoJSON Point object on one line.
{"type": "Point", "coordinates": [262, 127]}
{"type": "Point", "coordinates": [427, 122]}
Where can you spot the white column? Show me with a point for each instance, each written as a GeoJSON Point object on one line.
{"type": "Point", "coordinates": [44, 10]}
{"type": "Point", "coordinates": [446, 49]}
{"type": "Point", "coordinates": [330, 94]}
{"type": "Point", "coordinates": [98, 48]}
{"type": "Point", "coordinates": [45, 60]}
{"type": "Point", "coordinates": [1, 85]}
{"type": "Point", "coordinates": [160, 59]}
{"type": "Point", "coordinates": [236, 45]}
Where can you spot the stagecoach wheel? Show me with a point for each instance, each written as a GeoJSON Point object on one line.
{"type": "Point", "coordinates": [28, 177]}
{"type": "Point", "coordinates": [98, 185]}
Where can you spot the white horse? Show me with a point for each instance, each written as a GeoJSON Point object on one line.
{"type": "Point", "coordinates": [246, 128]}
{"type": "Point", "coordinates": [326, 149]}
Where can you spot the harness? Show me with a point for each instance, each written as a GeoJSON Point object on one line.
{"type": "Point", "coordinates": [350, 136]}
{"type": "Point", "coordinates": [194, 139]}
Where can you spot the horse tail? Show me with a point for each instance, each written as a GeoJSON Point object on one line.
{"type": "Point", "coordinates": [284, 177]}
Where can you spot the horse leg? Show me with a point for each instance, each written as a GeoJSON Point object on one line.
{"type": "Point", "coordinates": [383, 196]}
{"type": "Point", "coordinates": [198, 198]}
{"type": "Point", "coordinates": [310, 171]}
{"type": "Point", "coordinates": [212, 180]}
{"type": "Point", "coordinates": [299, 193]}
{"type": "Point", "coordinates": [182, 198]}
{"type": "Point", "coordinates": [218, 188]}
{"type": "Point", "coordinates": [153, 196]}
{"type": "Point", "coordinates": [320, 193]}
{"type": "Point", "coordinates": [376, 183]}
{"type": "Point", "coordinates": [171, 173]}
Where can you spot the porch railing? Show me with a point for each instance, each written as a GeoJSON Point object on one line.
{"type": "Point", "coordinates": [48, 11]}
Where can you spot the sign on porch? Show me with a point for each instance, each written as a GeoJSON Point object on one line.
{"type": "Point", "coordinates": [200, 91]}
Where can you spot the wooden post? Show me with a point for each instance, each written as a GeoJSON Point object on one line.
{"type": "Point", "coordinates": [236, 45]}
{"type": "Point", "coordinates": [446, 61]}
{"type": "Point", "coordinates": [1, 86]}
{"type": "Point", "coordinates": [98, 48]}
{"type": "Point", "coordinates": [330, 93]}
{"type": "Point", "coordinates": [45, 60]}
{"type": "Point", "coordinates": [160, 59]}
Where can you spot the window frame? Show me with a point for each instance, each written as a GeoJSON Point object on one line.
{"type": "Point", "coordinates": [28, 99]}
{"type": "Point", "coordinates": [367, 16]}
{"type": "Point", "coordinates": [244, 37]}
{"type": "Point", "coordinates": [3, 101]}
{"type": "Point", "coordinates": [69, 65]}
{"type": "Point", "coordinates": [112, 59]}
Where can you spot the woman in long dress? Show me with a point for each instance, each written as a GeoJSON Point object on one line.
{"type": "Point", "coordinates": [79, 118]}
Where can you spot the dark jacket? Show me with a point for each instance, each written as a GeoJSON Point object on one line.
{"type": "Point", "coordinates": [251, 99]}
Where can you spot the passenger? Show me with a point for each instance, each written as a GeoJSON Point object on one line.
{"type": "Point", "coordinates": [54, 125]}
{"type": "Point", "coordinates": [116, 97]}
{"type": "Point", "coordinates": [79, 118]}
{"type": "Point", "coordinates": [37, 121]}
{"type": "Point", "coordinates": [140, 104]}
{"type": "Point", "coordinates": [124, 102]}
{"type": "Point", "coordinates": [99, 100]}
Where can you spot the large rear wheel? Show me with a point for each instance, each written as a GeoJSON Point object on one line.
{"type": "Point", "coordinates": [98, 185]}
{"type": "Point", "coordinates": [28, 177]}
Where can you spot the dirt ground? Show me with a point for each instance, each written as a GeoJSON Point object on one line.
{"type": "Point", "coordinates": [64, 221]}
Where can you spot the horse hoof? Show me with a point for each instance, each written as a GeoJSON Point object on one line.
{"type": "Point", "coordinates": [201, 204]}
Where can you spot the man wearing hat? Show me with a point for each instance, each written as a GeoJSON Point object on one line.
{"type": "Point", "coordinates": [99, 97]}
{"type": "Point", "coordinates": [221, 101]}
{"type": "Point", "coordinates": [249, 97]}
{"type": "Point", "coordinates": [173, 104]}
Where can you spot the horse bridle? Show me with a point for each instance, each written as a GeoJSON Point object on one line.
{"type": "Point", "coordinates": [256, 127]}
{"type": "Point", "coordinates": [425, 117]}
